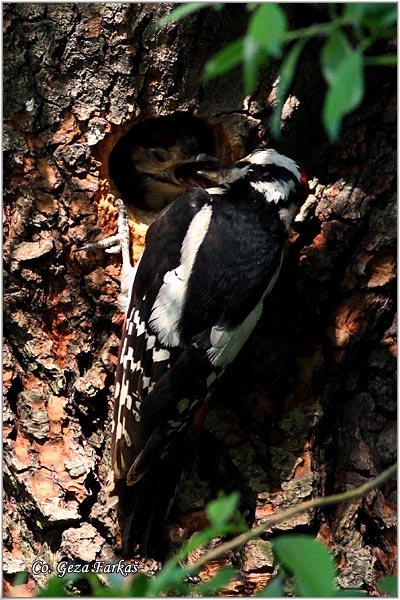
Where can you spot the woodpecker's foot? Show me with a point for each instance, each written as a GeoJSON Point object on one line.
{"type": "Point", "coordinates": [118, 242]}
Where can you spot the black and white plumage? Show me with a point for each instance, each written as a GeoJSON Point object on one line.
{"type": "Point", "coordinates": [194, 298]}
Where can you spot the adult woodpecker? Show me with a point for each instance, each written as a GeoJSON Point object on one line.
{"type": "Point", "coordinates": [193, 300]}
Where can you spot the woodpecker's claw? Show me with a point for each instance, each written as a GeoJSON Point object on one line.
{"type": "Point", "coordinates": [111, 245]}
{"type": "Point", "coordinates": [115, 243]}
{"type": "Point", "coordinates": [118, 243]}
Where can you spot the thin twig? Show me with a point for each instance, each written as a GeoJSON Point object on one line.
{"type": "Point", "coordinates": [243, 538]}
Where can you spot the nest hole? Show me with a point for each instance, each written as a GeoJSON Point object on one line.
{"type": "Point", "coordinates": [149, 164]}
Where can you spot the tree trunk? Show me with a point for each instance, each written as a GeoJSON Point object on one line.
{"type": "Point", "coordinates": [308, 407]}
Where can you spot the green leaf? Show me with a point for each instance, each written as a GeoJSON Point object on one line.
{"type": "Point", "coordinates": [55, 588]}
{"type": "Point", "coordinates": [168, 577]}
{"type": "Point", "coordinates": [366, 13]}
{"type": "Point", "coordinates": [389, 585]}
{"type": "Point", "coordinates": [139, 586]}
{"type": "Point", "coordinates": [286, 74]}
{"type": "Point", "coordinates": [346, 90]}
{"type": "Point", "coordinates": [353, 12]}
{"type": "Point", "coordinates": [224, 60]}
{"type": "Point", "coordinates": [253, 58]}
{"type": "Point", "coordinates": [334, 51]}
{"type": "Point", "coordinates": [388, 60]}
{"type": "Point", "coordinates": [20, 578]}
{"type": "Point", "coordinates": [275, 588]}
{"type": "Point", "coordinates": [309, 561]}
{"type": "Point", "coordinates": [379, 15]}
{"type": "Point", "coordinates": [219, 511]}
{"type": "Point", "coordinates": [204, 537]}
{"type": "Point", "coordinates": [264, 38]}
{"type": "Point", "coordinates": [181, 11]}
{"type": "Point", "coordinates": [267, 28]}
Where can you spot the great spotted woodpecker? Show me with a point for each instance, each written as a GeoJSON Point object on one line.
{"type": "Point", "coordinates": [193, 300]}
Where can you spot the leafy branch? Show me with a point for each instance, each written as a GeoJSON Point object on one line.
{"type": "Point", "coordinates": [347, 36]}
{"type": "Point", "coordinates": [284, 515]}
{"type": "Point", "coordinates": [297, 556]}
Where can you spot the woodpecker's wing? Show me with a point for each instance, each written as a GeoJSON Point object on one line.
{"type": "Point", "coordinates": [235, 260]}
{"type": "Point", "coordinates": [143, 356]}
{"type": "Point", "coordinates": [195, 300]}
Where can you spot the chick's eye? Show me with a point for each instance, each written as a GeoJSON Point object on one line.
{"type": "Point", "coordinates": [159, 155]}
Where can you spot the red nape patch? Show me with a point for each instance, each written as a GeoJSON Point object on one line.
{"type": "Point", "coordinates": [304, 189]}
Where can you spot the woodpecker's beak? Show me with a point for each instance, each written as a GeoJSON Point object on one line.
{"type": "Point", "coordinates": [164, 172]}
{"type": "Point", "coordinates": [224, 175]}
{"type": "Point", "coordinates": [193, 171]}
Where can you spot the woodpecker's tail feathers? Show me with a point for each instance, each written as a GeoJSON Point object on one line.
{"type": "Point", "coordinates": [145, 458]}
{"type": "Point", "coordinates": [144, 505]}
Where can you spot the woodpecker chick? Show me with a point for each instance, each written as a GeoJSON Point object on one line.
{"type": "Point", "coordinates": [196, 295]}
{"type": "Point", "coordinates": [153, 164]}
{"type": "Point", "coordinates": [164, 173]}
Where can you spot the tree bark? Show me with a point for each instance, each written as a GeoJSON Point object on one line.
{"type": "Point", "coordinates": [308, 407]}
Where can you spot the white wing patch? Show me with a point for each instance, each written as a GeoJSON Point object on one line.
{"type": "Point", "coordinates": [222, 355]}
{"type": "Point", "coordinates": [227, 343]}
{"type": "Point", "coordinates": [160, 355]}
{"type": "Point", "coordinates": [168, 307]}
{"type": "Point", "coordinates": [218, 337]}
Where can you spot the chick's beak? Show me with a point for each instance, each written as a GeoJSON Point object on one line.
{"type": "Point", "coordinates": [193, 171]}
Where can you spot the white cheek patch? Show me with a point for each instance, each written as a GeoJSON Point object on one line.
{"type": "Point", "coordinates": [274, 191]}
{"type": "Point", "coordinates": [272, 157]}
{"type": "Point", "coordinates": [215, 191]}
{"type": "Point", "coordinates": [168, 307]}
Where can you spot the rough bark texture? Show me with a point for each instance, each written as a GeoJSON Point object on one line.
{"type": "Point", "coordinates": [309, 406]}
